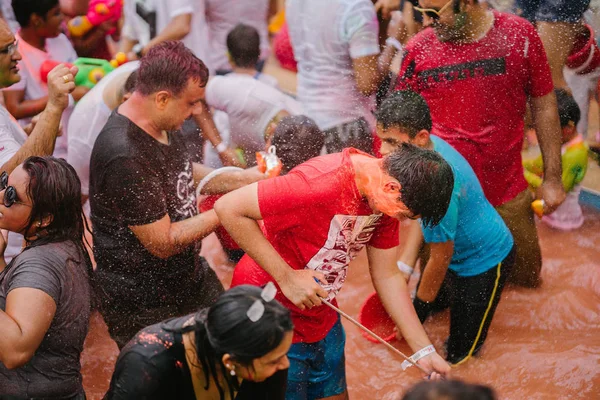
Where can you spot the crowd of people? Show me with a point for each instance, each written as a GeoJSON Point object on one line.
{"type": "Point", "coordinates": [409, 115]}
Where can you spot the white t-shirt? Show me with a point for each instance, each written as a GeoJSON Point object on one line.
{"type": "Point", "coordinates": [211, 156]}
{"type": "Point", "coordinates": [57, 49]}
{"type": "Point", "coordinates": [223, 15]}
{"type": "Point", "coordinates": [87, 120]}
{"type": "Point", "coordinates": [145, 19]}
{"type": "Point", "coordinates": [326, 36]}
{"type": "Point", "coordinates": [12, 138]}
{"type": "Point", "coordinates": [250, 105]}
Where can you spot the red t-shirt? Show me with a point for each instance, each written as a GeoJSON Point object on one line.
{"type": "Point", "coordinates": [477, 94]}
{"type": "Point", "coordinates": [316, 218]}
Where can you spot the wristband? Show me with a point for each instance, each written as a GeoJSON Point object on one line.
{"type": "Point", "coordinates": [213, 174]}
{"type": "Point", "coordinates": [395, 43]}
{"type": "Point", "coordinates": [221, 148]}
{"type": "Point", "coordinates": [424, 352]}
{"type": "Point", "coordinates": [403, 267]}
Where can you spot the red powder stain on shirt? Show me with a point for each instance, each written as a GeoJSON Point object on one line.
{"type": "Point", "coordinates": [178, 364]}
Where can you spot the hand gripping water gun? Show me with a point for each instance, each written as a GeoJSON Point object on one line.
{"type": "Point", "coordinates": [91, 70]}
{"type": "Point", "coordinates": [268, 162]}
{"type": "Point", "coordinates": [99, 11]}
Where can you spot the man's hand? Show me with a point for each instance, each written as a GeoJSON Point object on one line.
{"type": "Point", "coordinates": [553, 194]}
{"type": "Point", "coordinates": [301, 288]}
{"type": "Point", "coordinates": [79, 92]}
{"type": "Point", "coordinates": [30, 126]}
{"type": "Point", "coordinates": [60, 85]}
{"type": "Point", "coordinates": [436, 365]}
{"type": "Point", "coordinates": [386, 7]}
{"type": "Point", "coordinates": [228, 157]}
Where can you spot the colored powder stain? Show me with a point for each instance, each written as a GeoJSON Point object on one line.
{"type": "Point", "coordinates": [151, 338]}
{"type": "Point", "coordinates": [178, 364]}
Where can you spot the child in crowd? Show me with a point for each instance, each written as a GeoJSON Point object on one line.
{"type": "Point", "coordinates": [296, 139]}
{"type": "Point", "coordinates": [39, 40]}
{"type": "Point", "coordinates": [574, 163]}
{"type": "Point", "coordinates": [469, 259]}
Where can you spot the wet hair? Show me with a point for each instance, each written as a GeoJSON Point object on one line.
{"type": "Point", "coordinates": [449, 390]}
{"type": "Point", "coordinates": [24, 9]}
{"type": "Point", "coordinates": [426, 178]}
{"type": "Point", "coordinates": [130, 83]}
{"type": "Point", "coordinates": [169, 66]}
{"type": "Point", "coordinates": [55, 191]}
{"type": "Point", "coordinates": [568, 110]}
{"type": "Point", "coordinates": [297, 139]}
{"type": "Point", "coordinates": [129, 86]}
{"type": "Point", "coordinates": [224, 328]}
{"type": "Point", "coordinates": [243, 44]}
{"type": "Point", "coordinates": [405, 110]}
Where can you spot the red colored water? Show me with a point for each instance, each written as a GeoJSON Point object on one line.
{"type": "Point", "coordinates": [542, 344]}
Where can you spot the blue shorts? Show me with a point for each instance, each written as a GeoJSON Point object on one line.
{"type": "Point", "coordinates": [318, 370]}
{"type": "Point", "coordinates": [552, 10]}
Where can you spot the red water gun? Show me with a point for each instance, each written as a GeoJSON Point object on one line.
{"type": "Point", "coordinates": [99, 11]}
{"type": "Point", "coordinates": [91, 70]}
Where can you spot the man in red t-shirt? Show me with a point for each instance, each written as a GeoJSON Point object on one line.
{"type": "Point", "coordinates": [316, 219]}
{"type": "Point", "coordinates": [476, 69]}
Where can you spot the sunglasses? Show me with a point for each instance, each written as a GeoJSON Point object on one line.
{"type": "Point", "coordinates": [432, 12]}
{"type": "Point", "coordinates": [10, 193]}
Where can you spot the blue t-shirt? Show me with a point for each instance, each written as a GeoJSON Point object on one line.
{"type": "Point", "coordinates": [481, 239]}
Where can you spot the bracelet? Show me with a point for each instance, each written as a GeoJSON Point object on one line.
{"type": "Point", "coordinates": [425, 351]}
{"type": "Point", "coordinates": [403, 267]}
{"type": "Point", "coordinates": [213, 174]}
{"type": "Point", "coordinates": [391, 41]}
{"type": "Point", "coordinates": [221, 148]}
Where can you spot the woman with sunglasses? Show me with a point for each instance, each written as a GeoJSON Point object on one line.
{"type": "Point", "coordinates": [236, 349]}
{"type": "Point", "coordinates": [44, 291]}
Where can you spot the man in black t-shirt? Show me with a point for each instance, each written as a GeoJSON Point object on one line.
{"type": "Point", "coordinates": [147, 230]}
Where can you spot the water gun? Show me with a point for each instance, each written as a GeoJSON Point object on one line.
{"type": "Point", "coordinates": [268, 162]}
{"type": "Point", "coordinates": [91, 70]}
{"type": "Point", "coordinates": [538, 207]}
{"type": "Point", "coordinates": [99, 11]}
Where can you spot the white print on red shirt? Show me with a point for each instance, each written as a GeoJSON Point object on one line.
{"type": "Point", "coordinates": [347, 235]}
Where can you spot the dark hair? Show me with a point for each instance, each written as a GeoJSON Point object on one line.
{"type": "Point", "coordinates": [130, 83]}
{"type": "Point", "coordinates": [55, 190]}
{"type": "Point", "coordinates": [24, 9]}
{"type": "Point", "coordinates": [243, 44]}
{"type": "Point", "coordinates": [406, 110]}
{"type": "Point", "coordinates": [169, 66]}
{"type": "Point", "coordinates": [426, 178]}
{"type": "Point", "coordinates": [224, 328]}
{"type": "Point", "coordinates": [297, 139]}
{"type": "Point", "coordinates": [568, 110]}
{"type": "Point", "coordinates": [449, 390]}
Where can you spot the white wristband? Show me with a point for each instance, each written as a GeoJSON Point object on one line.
{"type": "Point", "coordinates": [425, 351]}
{"type": "Point", "coordinates": [403, 267]}
{"type": "Point", "coordinates": [391, 41]}
{"type": "Point", "coordinates": [221, 147]}
{"type": "Point", "coordinates": [213, 174]}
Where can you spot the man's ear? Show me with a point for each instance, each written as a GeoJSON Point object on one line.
{"type": "Point", "coordinates": [392, 187]}
{"type": "Point", "coordinates": [162, 99]}
{"type": "Point", "coordinates": [421, 138]}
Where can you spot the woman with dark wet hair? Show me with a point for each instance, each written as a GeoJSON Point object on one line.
{"type": "Point", "coordinates": [236, 349]}
{"type": "Point", "coordinates": [45, 290]}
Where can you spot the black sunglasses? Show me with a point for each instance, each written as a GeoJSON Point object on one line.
{"type": "Point", "coordinates": [10, 193]}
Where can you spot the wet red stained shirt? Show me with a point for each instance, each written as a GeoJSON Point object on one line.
{"type": "Point", "coordinates": [477, 94]}
{"type": "Point", "coordinates": [316, 218]}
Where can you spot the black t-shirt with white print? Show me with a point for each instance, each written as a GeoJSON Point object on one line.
{"type": "Point", "coordinates": [136, 180]}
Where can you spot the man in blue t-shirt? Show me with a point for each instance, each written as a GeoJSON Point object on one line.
{"type": "Point", "coordinates": [471, 250]}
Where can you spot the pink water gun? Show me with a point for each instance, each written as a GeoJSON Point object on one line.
{"type": "Point", "coordinates": [99, 11]}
